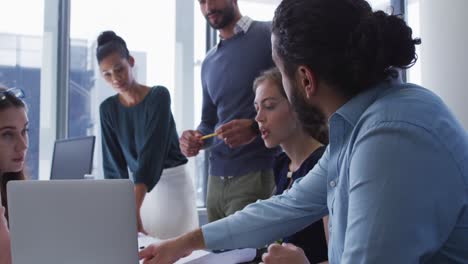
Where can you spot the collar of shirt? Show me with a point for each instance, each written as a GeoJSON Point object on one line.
{"type": "Point", "coordinates": [242, 25]}
{"type": "Point", "coordinates": [352, 110]}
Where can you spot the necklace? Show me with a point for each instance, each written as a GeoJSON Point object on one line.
{"type": "Point", "coordinates": [290, 179]}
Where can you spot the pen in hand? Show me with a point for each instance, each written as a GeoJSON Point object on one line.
{"type": "Point", "coordinates": [209, 136]}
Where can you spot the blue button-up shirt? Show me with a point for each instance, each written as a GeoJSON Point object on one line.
{"type": "Point", "coordinates": [394, 181]}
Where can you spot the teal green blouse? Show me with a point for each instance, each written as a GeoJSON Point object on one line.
{"type": "Point", "coordinates": [142, 138]}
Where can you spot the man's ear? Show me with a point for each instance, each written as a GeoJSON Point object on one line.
{"type": "Point", "coordinates": [131, 60]}
{"type": "Point", "coordinates": [306, 79]}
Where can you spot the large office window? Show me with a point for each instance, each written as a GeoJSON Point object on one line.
{"type": "Point", "coordinates": [414, 73]}
{"type": "Point", "coordinates": [259, 10]}
{"type": "Point", "coordinates": [199, 165]}
{"type": "Point", "coordinates": [148, 27]}
{"type": "Point", "coordinates": [21, 41]}
{"type": "Point", "coordinates": [384, 5]}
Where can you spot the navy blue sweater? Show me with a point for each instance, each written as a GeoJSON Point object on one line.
{"type": "Point", "coordinates": [228, 72]}
{"type": "Point", "coordinates": [142, 138]}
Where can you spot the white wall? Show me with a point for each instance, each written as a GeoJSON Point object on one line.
{"type": "Point", "coordinates": [444, 52]}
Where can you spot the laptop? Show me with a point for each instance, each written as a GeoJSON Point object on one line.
{"type": "Point", "coordinates": [73, 222]}
{"type": "Point", "coordinates": [72, 158]}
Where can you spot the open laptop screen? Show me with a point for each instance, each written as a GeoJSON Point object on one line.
{"type": "Point", "coordinates": [73, 222]}
{"type": "Point", "coordinates": [72, 158]}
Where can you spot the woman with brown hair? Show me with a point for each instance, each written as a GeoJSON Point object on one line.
{"type": "Point", "coordinates": [14, 145]}
{"type": "Point", "coordinates": [303, 144]}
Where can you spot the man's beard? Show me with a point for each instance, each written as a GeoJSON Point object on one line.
{"type": "Point", "coordinates": [227, 16]}
{"type": "Point", "coordinates": [310, 116]}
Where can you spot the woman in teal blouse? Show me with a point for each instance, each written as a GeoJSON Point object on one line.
{"type": "Point", "coordinates": [139, 138]}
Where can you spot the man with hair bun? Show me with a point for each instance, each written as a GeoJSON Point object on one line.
{"type": "Point", "coordinates": [394, 177]}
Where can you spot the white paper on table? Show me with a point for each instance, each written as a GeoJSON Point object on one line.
{"type": "Point", "coordinates": [144, 240]}
{"type": "Point", "coordinates": [194, 257]}
{"type": "Point", "coordinates": [206, 257]}
{"type": "Point", "coordinates": [228, 257]}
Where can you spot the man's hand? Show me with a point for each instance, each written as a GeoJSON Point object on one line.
{"type": "Point", "coordinates": [237, 132]}
{"type": "Point", "coordinates": [284, 253]}
{"type": "Point", "coordinates": [166, 252]}
{"type": "Point", "coordinates": [171, 250]}
{"type": "Point", "coordinates": [190, 142]}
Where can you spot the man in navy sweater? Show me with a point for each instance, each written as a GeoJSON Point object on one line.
{"type": "Point", "coordinates": [239, 173]}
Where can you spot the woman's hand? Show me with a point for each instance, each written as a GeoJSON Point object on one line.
{"type": "Point", "coordinates": [5, 251]}
{"type": "Point", "coordinates": [140, 227]}
{"type": "Point", "coordinates": [140, 193]}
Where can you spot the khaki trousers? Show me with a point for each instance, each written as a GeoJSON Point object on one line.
{"type": "Point", "coordinates": [228, 194]}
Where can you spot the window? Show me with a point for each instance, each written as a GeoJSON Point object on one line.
{"type": "Point", "coordinates": [414, 73]}
{"type": "Point", "coordinates": [21, 41]}
{"type": "Point", "coordinates": [198, 165]}
{"type": "Point", "coordinates": [258, 10]}
{"type": "Point", "coordinates": [384, 5]}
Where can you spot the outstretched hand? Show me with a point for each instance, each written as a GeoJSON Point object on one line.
{"type": "Point", "coordinates": [169, 251]}
{"type": "Point", "coordinates": [166, 252]}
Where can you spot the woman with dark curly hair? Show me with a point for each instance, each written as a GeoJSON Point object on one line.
{"type": "Point", "coordinates": [14, 146]}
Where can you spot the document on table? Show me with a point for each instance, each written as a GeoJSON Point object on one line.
{"type": "Point", "coordinates": [228, 257]}
{"type": "Point", "coordinates": [206, 257]}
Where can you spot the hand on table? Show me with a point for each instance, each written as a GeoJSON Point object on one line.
{"type": "Point", "coordinates": [284, 253]}
{"type": "Point", "coordinates": [166, 252]}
